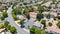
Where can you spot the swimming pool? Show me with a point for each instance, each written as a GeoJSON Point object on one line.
{"type": "Point", "coordinates": [19, 16]}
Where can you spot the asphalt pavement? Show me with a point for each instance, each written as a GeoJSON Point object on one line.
{"type": "Point", "coordinates": [12, 22]}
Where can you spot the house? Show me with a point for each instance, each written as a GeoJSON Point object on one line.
{"type": "Point", "coordinates": [47, 4]}
{"type": "Point", "coordinates": [53, 13]}
{"type": "Point", "coordinates": [4, 5]}
{"type": "Point", "coordinates": [57, 0]}
{"type": "Point", "coordinates": [58, 16]}
{"type": "Point", "coordinates": [53, 29]}
{"type": "Point", "coordinates": [33, 15]}
{"type": "Point", "coordinates": [38, 24]}
{"type": "Point", "coordinates": [58, 10]}
{"type": "Point", "coordinates": [30, 23]}
{"type": "Point", "coordinates": [45, 13]}
{"type": "Point", "coordinates": [53, 5]}
{"type": "Point", "coordinates": [8, 33]}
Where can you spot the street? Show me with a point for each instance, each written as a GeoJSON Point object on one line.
{"type": "Point", "coordinates": [12, 22]}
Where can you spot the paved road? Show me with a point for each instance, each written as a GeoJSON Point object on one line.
{"type": "Point", "coordinates": [12, 22]}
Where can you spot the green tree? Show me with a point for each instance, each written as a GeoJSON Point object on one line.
{"type": "Point", "coordinates": [39, 16]}
{"type": "Point", "coordinates": [0, 2]}
{"type": "Point", "coordinates": [49, 7]}
{"type": "Point", "coordinates": [2, 17]}
{"type": "Point", "coordinates": [5, 14]}
{"type": "Point", "coordinates": [58, 24]}
{"type": "Point", "coordinates": [17, 11]}
{"type": "Point", "coordinates": [48, 15]}
{"type": "Point", "coordinates": [44, 32]}
{"type": "Point", "coordinates": [37, 31]}
{"type": "Point", "coordinates": [50, 24]}
{"type": "Point", "coordinates": [44, 23]}
{"type": "Point", "coordinates": [32, 29]}
{"type": "Point", "coordinates": [40, 8]}
{"type": "Point", "coordinates": [14, 16]}
{"type": "Point", "coordinates": [53, 1]}
{"type": "Point", "coordinates": [1, 26]}
{"type": "Point", "coordinates": [6, 24]}
{"type": "Point", "coordinates": [13, 30]}
{"type": "Point", "coordinates": [8, 27]}
{"type": "Point", "coordinates": [21, 22]}
{"type": "Point", "coordinates": [27, 16]}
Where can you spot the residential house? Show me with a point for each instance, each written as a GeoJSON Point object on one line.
{"type": "Point", "coordinates": [58, 16]}
{"type": "Point", "coordinates": [33, 15]}
{"type": "Point", "coordinates": [38, 24]}
{"type": "Point", "coordinates": [58, 10]}
{"type": "Point", "coordinates": [53, 5]}
{"type": "Point", "coordinates": [53, 29]}
{"type": "Point", "coordinates": [45, 13]}
{"type": "Point", "coordinates": [53, 12]}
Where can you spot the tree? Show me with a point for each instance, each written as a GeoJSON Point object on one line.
{"type": "Point", "coordinates": [58, 24]}
{"type": "Point", "coordinates": [5, 14]}
{"type": "Point", "coordinates": [37, 31]}
{"type": "Point", "coordinates": [21, 0]}
{"type": "Point", "coordinates": [32, 29]}
{"type": "Point", "coordinates": [44, 32]}
{"type": "Point", "coordinates": [21, 22]}
{"type": "Point", "coordinates": [39, 16]}
{"type": "Point", "coordinates": [6, 24]}
{"type": "Point", "coordinates": [48, 15]}
{"type": "Point", "coordinates": [27, 16]}
{"type": "Point", "coordinates": [8, 27]}
{"type": "Point", "coordinates": [53, 1]}
{"type": "Point", "coordinates": [13, 30]}
{"type": "Point", "coordinates": [17, 11]}
{"type": "Point", "coordinates": [1, 9]}
{"type": "Point", "coordinates": [50, 24]}
{"type": "Point", "coordinates": [2, 17]}
{"type": "Point", "coordinates": [40, 8]}
{"type": "Point", "coordinates": [44, 23]}
{"type": "Point", "coordinates": [1, 26]}
{"type": "Point", "coordinates": [49, 7]}
{"type": "Point", "coordinates": [0, 2]}
{"type": "Point", "coordinates": [14, 16]}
